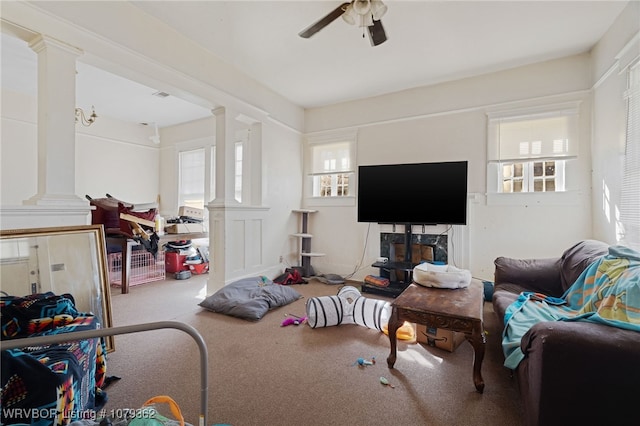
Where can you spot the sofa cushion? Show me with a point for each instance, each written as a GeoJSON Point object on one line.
{"type": "Point", "coordinates": [501, 301]}
{"type": "Point", "coordinates": [541, 275]}
{"type": "Point", "coordinates": [576, 259]}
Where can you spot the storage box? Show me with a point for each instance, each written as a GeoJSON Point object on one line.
{"type": "Point", "coordinates": [184, 228]}
{"type": "Point", "coordinates": [191, 212]}
{"type": "Point", "coordinates": [440, 338]}
{"type": "Point", "coordinates": [174, 262]}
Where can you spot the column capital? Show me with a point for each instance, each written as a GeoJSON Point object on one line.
{"type": "Point", "coordinates": [219, 110]}
{"type": "Point", "coordinates": [41, 42]}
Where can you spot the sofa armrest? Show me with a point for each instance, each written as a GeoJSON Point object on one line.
{"type": "Point", "coordinates": [540, 275]}
{"type": "Point", "coordinates": [570, 366]}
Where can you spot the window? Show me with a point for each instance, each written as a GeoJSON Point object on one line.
{"type": "Point", "coordinates": [533, 176]}
{"type": "Point", "coordinates": [242, 172]}
{"type": "Point", "coordinates": [528, 150]}
{"type": "Point", "coordinates": [331, 169]}
{"type": "Point", "coordinates": [630, 191]}
{"type": "Point", "coordinates": [192, 178]}
{"type": "Point", "coordinates": [331, 166]}
{"type": "Point", "coordinates": [238, 172]}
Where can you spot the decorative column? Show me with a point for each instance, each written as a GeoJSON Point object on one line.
{"type": "Point", "coordinates": [56, 123]}
{"type": "Point", "coordinates": [236, 230]}
{"type": "Point", "coordinates": [218, 223]}
{"type": "Point", "coordinates": [256, 164]}
{"type": "Point", "coordinates": [55, 203]}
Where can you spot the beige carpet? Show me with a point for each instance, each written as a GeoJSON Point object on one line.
{"type": "Point", "coordinates": [263, 374]}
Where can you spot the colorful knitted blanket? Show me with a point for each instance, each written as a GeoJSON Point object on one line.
{"type": "Point", "coordinates": [607, 292]}
{"type": "Point", "coordinates": [53, 384]}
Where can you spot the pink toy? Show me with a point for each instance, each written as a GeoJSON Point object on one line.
{"type": "Point", "coordinates": [295, 321]}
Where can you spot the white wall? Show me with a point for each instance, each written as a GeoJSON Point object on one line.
{"type": "Point", "coordinates": [282, 189]}
{"type": "Point", "coordinates": [447, 122]}
{"type": "Point", "coordinates": [117, 158]}
{"type": "Point", "coordinates": [18, 148]}
{"type": "Point", "coordinates": [111, 156]}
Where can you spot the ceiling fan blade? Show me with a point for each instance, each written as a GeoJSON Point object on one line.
{"type": "Point", "coordinates": [332, 16]}
{"type": "Point", "coordinates": [377, 35]}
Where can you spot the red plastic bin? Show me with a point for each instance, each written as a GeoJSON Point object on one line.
{"type": "Point", "coordinates": [174, 262]}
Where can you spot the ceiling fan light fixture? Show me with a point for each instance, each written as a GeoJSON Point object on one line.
{"type": "Point", "coordinates": [349, 15]}
{"type": "Point", "coordinates": [377, 35]}
{"type": "Point", "coordinates": [361, 7]}
{"type": "Point", "coordinates": [366, 13]}
{"type": "Point", "coordinates": [378, 9]}
{"type": "Point", "coordinates": [366, 20]}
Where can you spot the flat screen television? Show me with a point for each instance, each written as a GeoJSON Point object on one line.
{"type": "Point", "coordinates": [420, 193]}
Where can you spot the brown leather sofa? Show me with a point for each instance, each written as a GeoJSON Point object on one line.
{"type": "Point", "coordinates": [573, 373]}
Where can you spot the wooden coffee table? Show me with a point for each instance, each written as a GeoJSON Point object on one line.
{"type": "Point", "coordinates": [457, 310]}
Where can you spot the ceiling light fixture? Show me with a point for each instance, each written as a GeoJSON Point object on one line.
{"type": "Point", "coordinates": [83, 118]}
{"type": "Point", "coordinates": [364, 12]}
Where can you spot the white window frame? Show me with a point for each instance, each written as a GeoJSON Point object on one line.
{"type": "Point", "coordinates": [206, 144]}
{"type": "Point", "coordinates": [316, 171]}
{"type": "Point", "coordinates": [193, 198]}
{"type": "Point", "coordinates": [529, 178]}
{"type": "Point", "coordinates": [532, 152]}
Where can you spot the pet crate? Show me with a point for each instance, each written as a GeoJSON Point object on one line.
{"type": "Point", "coordinates": [144, 267]}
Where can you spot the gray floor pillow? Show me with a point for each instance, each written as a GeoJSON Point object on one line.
{"type": "Point", "coordinates": [250, 298]}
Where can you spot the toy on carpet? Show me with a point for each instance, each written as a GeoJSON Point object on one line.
{"type": "Point", "coordinates": [405, 332]}
{"type": "Point", "coordinates": [385, 382]}
{"type": "Point", "coordinates": [293, 320]}
{"type": "Point", "coordinates": [347, 307]}
{"type": "Point", "coordinates": [361, 362]}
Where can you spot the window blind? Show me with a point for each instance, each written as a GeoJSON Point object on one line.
{"type": "Point", "coordinates": [536, 138]}
{"type": "Point", "coordinates": [192, 165]}
{"type": "Point", "coordinates": [630, 191]}
{"type": "Point", "coordinates": [333, 157]}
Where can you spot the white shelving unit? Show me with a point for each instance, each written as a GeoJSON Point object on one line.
{"type": "Point", "coordinates": [305, 243]}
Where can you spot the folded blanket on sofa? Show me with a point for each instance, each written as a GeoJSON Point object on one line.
{"type": "Point", "coordinates": [607, 292]}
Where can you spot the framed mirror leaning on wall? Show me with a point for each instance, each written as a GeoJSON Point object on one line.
{"type": "Point", "coordinates": [69, 259]}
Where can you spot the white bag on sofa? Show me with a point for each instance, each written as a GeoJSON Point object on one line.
{"type": "Point", "coordinates": [441, 276]}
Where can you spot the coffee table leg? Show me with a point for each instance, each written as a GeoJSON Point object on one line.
{"type": "Point", "coordinates": [477, 340]}
{"type": "Point", "coordinates": [394, 324]}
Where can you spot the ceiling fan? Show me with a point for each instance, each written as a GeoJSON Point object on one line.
{"type": "Point", "coordinates": [365, 13]}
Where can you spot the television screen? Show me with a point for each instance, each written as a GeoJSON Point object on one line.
{"type": "Point", "coordinates": [421, 193]}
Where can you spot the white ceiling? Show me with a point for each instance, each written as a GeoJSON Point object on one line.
{"type": "Point", "coordinates": [428, 42]}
